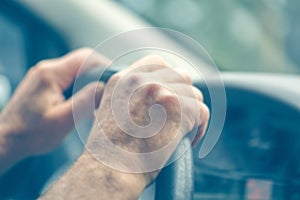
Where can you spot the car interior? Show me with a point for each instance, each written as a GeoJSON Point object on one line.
{"type": "Point", "coordinates": [253, 44]}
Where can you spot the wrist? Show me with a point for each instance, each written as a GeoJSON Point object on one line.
{"type": "Point", "coordinates": [129, 185]}
{"type": "Point", "coordinates": [9, 152]}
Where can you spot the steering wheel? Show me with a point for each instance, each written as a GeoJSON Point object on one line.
{"type": "Point", "coordinates": [176, 180]}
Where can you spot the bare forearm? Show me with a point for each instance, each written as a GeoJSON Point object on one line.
{"type": "Point", "coordinates": [9, 154]}
{"type": "Point", "coordinates": [89, 179]}
{"type": "Point", "coordinates": [6, 160]}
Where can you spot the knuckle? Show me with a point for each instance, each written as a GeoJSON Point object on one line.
{"type": "Point", "coordinates": [32, 70]}
{"type": "Point", "coordinates": [100, 84]}
{"type": "Point", "coordinates": [133, 79]}
{"type": "Point", "coordinates": [190, 111]}
{"type": "Point", "coordinates": [198, 94]}
{"type": "Point", "coordinates": [41, 64]}
{"type": "Point", "coordinates": [115, 78]}
{"type": "Point", "coordinates": [75, 58]}
{"type": "Point", "coordinates": [155, 60]}
{"type": "Point", "coordinates": [41, 71]}
{"type": "Point", "coordinates": [92, 89]}
{"type": "Point", "coordinates": [165, 97]}
{"type": "Point", "coordinates": [206, 112]}
{"type": "Point", "coordinates": [152, 89]}
{"type": "Point", "coordinates": [84, 51]}
{"type": "Point", "coordinates": [186, 76]}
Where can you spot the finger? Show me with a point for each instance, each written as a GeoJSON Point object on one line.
{"type": "Point", "coordinates": [82, 104]}
{"type": "Point", "coordinates": [194, 113]}
{"type": "Point", "coordinates": [183, 111]}
{"type": "Point", "coordinates": [184, 90]}
{"type": "Point", "coordinates": [169, 75]}
{"type": "Point", "coordinates": [202, 123]}
{"type": "Point", "coordinates": [147, 64]}
{"type": "Point", "coordinates": [198, 94]}
{"type": "Point", "coordinates": [75, 63]}
{"type": "Point", "coordinates": [180, 109]}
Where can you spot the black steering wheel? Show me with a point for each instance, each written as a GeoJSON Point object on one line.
{"type": "Point", "coordinates": [176, 181]}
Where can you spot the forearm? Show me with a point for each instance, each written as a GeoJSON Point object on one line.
{"type": "Point", "coordinates": [9, 154]}
{"type": "Point", "coordinates": [6, 160]}
{"type": "Point", "coordinates": [90, 179]}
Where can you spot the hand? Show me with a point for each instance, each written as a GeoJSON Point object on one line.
{"type": "Point", "coordinates": [142, 90]}
{"type": "Point", "coordinates": [38, 116]}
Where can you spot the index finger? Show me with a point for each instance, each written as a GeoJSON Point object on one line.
{"type": "Point", "coordinates": [68, 67]}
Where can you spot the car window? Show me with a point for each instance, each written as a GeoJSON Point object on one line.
{"type": "Point", "coordinates": [25, 40]}
{"type": "Point", "coordinates": [239, 35]}
{"type": "Point", "coordinates": [12, 57]}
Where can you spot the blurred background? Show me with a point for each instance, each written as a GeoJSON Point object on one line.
{"type": "Point", "coordinates": [240, 35]}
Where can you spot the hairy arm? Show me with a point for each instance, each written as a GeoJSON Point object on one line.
{"type": "Point", "coordinates": [9, 154]}
{"type": "Point", "coordinates": [90, 179]}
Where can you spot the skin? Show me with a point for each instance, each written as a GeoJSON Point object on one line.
{"type": "Point", "coordinates": [89, 178]}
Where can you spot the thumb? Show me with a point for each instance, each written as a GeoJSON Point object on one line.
{"type": "Point", "coordinates": [79, 106]}
{"type": "Point", "coordinates": [85, 102]}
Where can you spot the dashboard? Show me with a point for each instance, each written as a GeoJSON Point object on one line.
{"type": "Point", "coordinates": [256, 156]}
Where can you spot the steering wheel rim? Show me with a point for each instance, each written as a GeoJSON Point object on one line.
{"type": "Point", "coordinates": [176, 181]}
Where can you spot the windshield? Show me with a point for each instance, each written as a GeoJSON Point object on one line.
{"type": "Point", "coordinates": [239, 35]}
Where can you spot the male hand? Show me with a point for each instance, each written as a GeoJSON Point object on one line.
{"type": "Point", "coordinates": [38, 116]}
{"type": "Point", "coordinates": [145, 108]}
